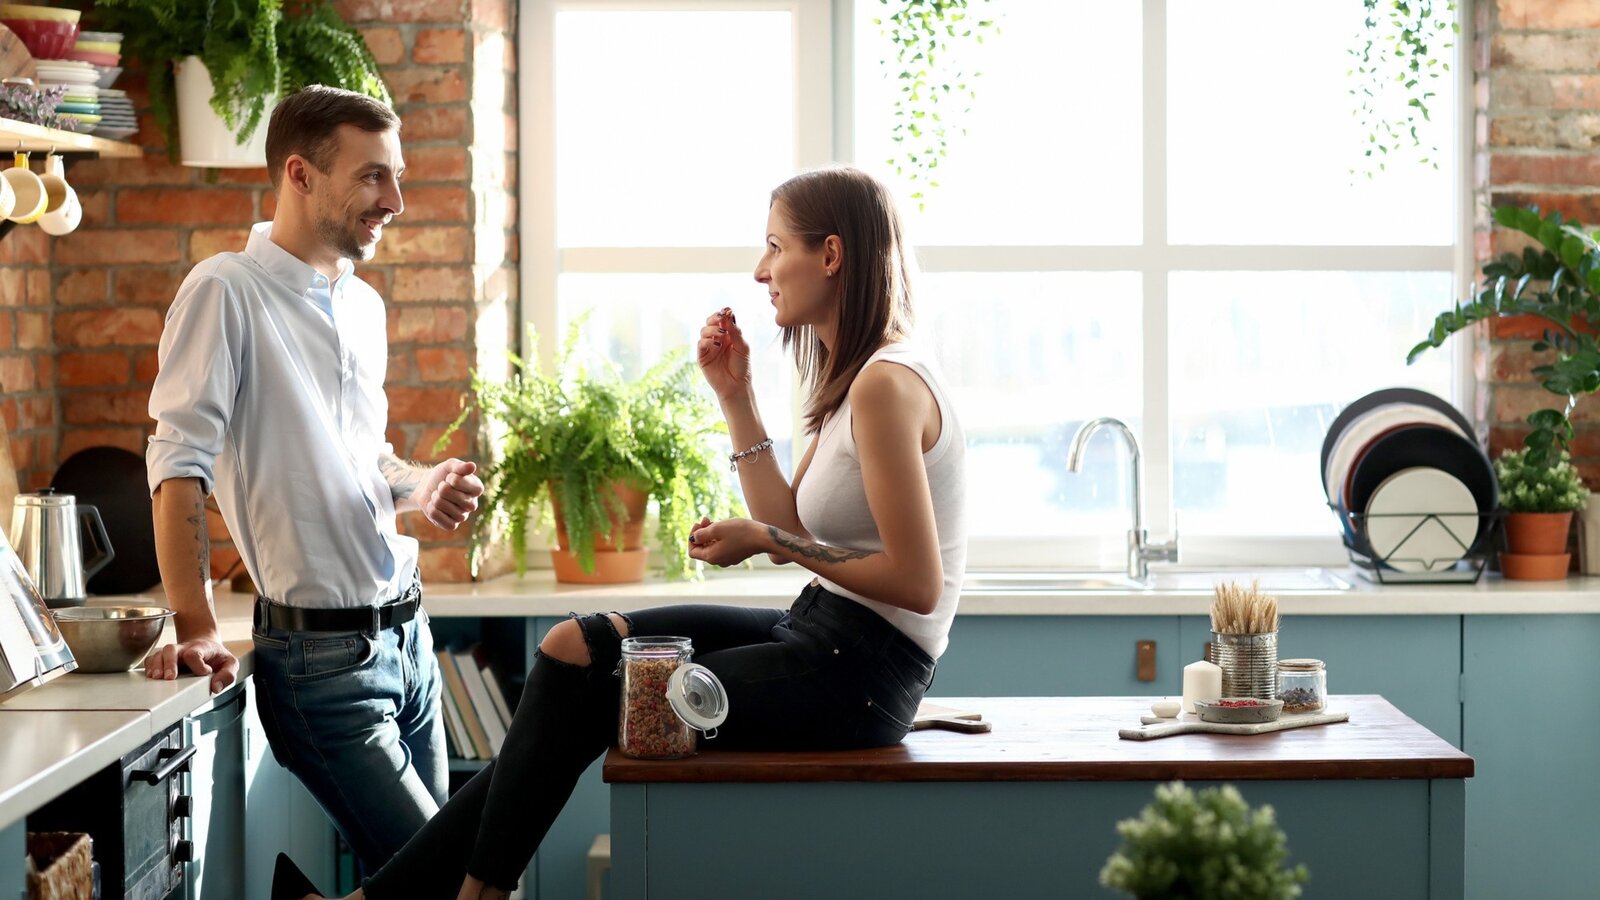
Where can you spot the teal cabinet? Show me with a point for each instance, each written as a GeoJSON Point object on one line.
{"type": "Point", "coordinates": [281, 816]}
{"type": "Point", "coordinates": [13, 868]}
{"type": "Point", "coordinates": [215, 784]}
{"type": "Point", "coordinates": [1058, 656]}
{"type": "Point", "coordinates": [1533, 808]}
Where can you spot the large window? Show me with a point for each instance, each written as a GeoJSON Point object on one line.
{"type": "Point", "coordinates": [1151, 216]}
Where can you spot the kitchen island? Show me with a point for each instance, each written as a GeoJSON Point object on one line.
{"type": "Point", "coordinates": [1374, 807]}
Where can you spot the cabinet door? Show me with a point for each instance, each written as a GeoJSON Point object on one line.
{"type": "Point", "coordinates": [216, 789]}
{"type": "Point", "coordinates": [1413, 661]}
{"type": "Point", "coordinates": [1533, 807]}
{"type": "Point", "coordinates": [1058, 656]}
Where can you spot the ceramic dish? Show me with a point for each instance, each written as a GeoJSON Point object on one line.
{"type": "Point", "coordinates": [1429, 446]}
{"type": "Point", "coordinates": [1362, 431]}
{"type": "Point", "coordinates": [1379, 398]}
{"type": "Point", "coordinates": [1421, 519]}
{"type": "Point", "coordinates": [1258, 710]}
{"type": "Point", "coordinates": [50, 13]}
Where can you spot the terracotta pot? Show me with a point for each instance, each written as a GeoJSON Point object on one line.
{"type": "Point", "coordinates": [1542, 534]}
{"type": "Point", "coordinates": [616, 562]}
{"type": "Point", "coordinates": [1535, 566]}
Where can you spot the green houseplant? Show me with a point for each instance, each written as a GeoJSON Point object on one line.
{"type": "Point", "coordinates": [572, 436]}
{"type": "Point", "coordinates": [1401, 52]}
{"type": "Point", "coordinates": [253, 50]}
{"type": "Point", "coordinates": [1539, 501]}
{"type": "Point", "coordinates": [1202, 845]}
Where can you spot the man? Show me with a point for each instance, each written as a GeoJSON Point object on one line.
{"type": "Point", "coordinates": [271, 391]}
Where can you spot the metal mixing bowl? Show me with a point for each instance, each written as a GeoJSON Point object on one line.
{"type": "Point", "coordinates": [110, 638]}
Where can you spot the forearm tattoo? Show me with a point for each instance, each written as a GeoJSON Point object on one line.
{"type": "Point", "coordinates": [202, 538]}
{"type": "Point", "coordinates": [404, 478]}
{"type": "Point", "coordinates": [812, 550]}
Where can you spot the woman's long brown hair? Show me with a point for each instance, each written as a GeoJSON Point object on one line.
{"type": "Point", "coordinates": [873, 288]}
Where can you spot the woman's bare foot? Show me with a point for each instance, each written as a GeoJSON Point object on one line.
{"type": "Point", "coordinates": [473, 889]}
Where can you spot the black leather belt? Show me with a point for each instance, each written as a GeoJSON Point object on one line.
{"type": "Point", "coordinates": [270, 615]}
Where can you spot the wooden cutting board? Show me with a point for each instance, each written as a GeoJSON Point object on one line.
{"type": "Point", "coordinates": [1194, 725]}
{"type": "Point", "coordinates": [15, 60]}
{"type": "Point", "coordinates": [932, 715]}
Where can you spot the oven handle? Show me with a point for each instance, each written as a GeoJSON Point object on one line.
{"type": "Point", "coordinates": [176, 763]}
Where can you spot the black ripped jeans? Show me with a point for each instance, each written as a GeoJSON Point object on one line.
{"type": "Point", "coordinates": [827, 674]}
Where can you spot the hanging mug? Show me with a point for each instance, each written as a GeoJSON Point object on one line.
{"type": "Point", "coordinates": [8, 199]}
{"type": "Point", "coordinates": [31, 197]}
{"type": "Point", "coordinates": [55, 182]}
{"type": "Point", "coordinates": [65, 218]}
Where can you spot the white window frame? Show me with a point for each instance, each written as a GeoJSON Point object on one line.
{"type": "Point", "coordinates": [824, 132]}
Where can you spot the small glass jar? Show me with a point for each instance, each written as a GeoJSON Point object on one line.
{"type": "Point", "coordinates": [666, 699]}
{"type": "Point", "coordinates": [1302, 685]}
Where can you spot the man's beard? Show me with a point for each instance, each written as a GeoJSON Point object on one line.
{"type": "Point", "coordinates": [342, 237]}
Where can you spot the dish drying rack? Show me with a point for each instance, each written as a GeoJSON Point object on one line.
{"type": "Point", "coordinates": [1380, 569]}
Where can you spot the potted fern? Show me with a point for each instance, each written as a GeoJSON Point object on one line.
{"type": "Point", "coordinates": [598, 449]}
{"type": "Point", "coordinates": [216, 67]}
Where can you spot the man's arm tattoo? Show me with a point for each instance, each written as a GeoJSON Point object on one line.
{"type": "Point", "coordinates": [202, 539]}
{"type": "Point", "coordinates": [811, 550]}
{"type": "Point", "coordinates": [404, 478]}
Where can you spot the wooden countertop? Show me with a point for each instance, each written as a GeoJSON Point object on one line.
{"type": "Point", "coordinates": [1075, 739]}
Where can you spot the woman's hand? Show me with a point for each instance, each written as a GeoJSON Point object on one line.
{"type": "Point", "coordinates": [728, 542]}
{"type": "Point", "coordinates": [724, 356]}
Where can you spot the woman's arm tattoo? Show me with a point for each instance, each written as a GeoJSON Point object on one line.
{"type": "Point", "coordinates": [812, 550]}
{"type": "Point", "coordinates": [404, 478]}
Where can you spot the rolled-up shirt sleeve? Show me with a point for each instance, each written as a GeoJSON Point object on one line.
{"type": "Point", "coordinates": [197, 382]}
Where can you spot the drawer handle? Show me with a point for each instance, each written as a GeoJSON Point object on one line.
{"type": "Point", "coordinates": [178, 761]}
{"type": "Point", "coordinates": [1145, 655]}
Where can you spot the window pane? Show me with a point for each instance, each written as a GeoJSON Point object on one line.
{"type": "Point", "coordinates": [1260, 125]}
{"type": "Point", "coordinates": [638, 319]}
{"type": "Point", "coordinates": [1030, 356]}
{"type": "Point", "coordinates": [1261, 364]}
{"type": "Point", "coordinates": [1049, 132]}
{"type": "Point", "coordinates": [656, 146]}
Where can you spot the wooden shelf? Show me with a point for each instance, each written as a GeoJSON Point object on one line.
{"type": "Point", "coordinates": [38, 139]}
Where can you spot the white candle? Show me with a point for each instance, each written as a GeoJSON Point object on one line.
{"type": "Point", "coordinates": [1201, 681]}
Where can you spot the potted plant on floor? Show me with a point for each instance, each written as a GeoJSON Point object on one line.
{"type": "Point", "coordinates": [598, 448]}
{"type": "Point", "coordinates": [1539, 501]}
{"type": "Point", "coordinates": [216, 68]}
{"type": "Point", "coordinates": [1206, 844]}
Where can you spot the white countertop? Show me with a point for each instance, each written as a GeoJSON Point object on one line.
{"type": "Point", "coordinates": [42, 754]}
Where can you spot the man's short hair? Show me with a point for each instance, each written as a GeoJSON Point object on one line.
{"type": "Point", "coordinates": [307, 122]}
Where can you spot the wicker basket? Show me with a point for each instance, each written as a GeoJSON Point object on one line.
{"type": "Point", "coordinates": [59, 866]}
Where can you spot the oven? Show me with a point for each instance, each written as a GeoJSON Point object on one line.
{"type": "Point", "coordinates": [133, 811]}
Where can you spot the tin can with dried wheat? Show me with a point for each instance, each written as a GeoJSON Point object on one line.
{"type": "Point", "coordinates": [1302, 685]}
{"type": "Point", "coordinates": [666, 699]}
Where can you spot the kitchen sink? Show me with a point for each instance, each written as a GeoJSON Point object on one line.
{"type": "Point", "coordinates": [1274, 580]}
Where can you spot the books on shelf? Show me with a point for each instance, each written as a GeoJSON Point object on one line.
{"type": "Point", "coordinates": [486, 718]}
{"type": "Point", "coordinates": [451, 700]}
{"type": "Point", "coordinates": [477, 715]}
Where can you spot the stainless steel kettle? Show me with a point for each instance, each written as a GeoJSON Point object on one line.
{"type": "Point", "coordinates": [45, 530]}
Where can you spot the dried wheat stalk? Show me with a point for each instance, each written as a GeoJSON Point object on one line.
{"type": "Point", "coordinates": [1240, 610]}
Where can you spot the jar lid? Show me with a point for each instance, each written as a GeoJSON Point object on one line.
{"type": "Point", "coordinates": [697, 697]}
{"type": "Point", "coordinates": [1300, 665]}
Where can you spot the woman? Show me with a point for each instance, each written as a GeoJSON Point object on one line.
{"type": "Point", "coordinates": [875, 511]}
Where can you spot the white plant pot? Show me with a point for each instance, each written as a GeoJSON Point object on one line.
{"type": "Point", "coordinates": [1589, 529]}
{"type": "Point", "coordinates": [203, 138]}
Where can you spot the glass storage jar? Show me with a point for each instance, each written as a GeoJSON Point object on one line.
{"type": "Point", "coordinates": [1302, 685]}
{"type": "Point", "coordinates": [665, 699]}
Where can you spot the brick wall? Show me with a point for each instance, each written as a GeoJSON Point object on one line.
{"type": "Point", "coordinates": [1539, 96]}
{"type": "Point", "coordinates": [27, 362]}
{"type": "Point", "coordinates": [446, 267]}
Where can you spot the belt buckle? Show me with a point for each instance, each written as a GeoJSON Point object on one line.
{"type": "Point", "coordinates": [377, 620]}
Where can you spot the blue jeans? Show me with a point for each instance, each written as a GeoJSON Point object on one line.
{"type": "Point", "coordinates": [355, 716]}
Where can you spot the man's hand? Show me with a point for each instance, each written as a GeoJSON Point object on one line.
{"type": "Point", "coordinates": [202, 656]}
{"type": "Point", "coordinates": [450, 493]}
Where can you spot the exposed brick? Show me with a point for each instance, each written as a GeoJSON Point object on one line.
{"type": "Point", "coordinates": [204, 244]}
{"type": "Point", "coordinates": [1548, 15]}
{"type": "Point", "coordinates": [424, 244]}
{"type": "Point", "coordinates": [142, 171]}
{"type": "Point", "coordinates": [457, 446]}
{"type": "Point", "coordinates": [375, 276]}
{"type": "Point", "coordinates": [427, 84]}
{"type": "Point", "coordinates": [41, 290]}
{"type": "Point", "coordinates": [106, 328]}
{"type": "Point", "coordinates": [38, 411]}
{"type": "Point", "coordinates": [431, 284]}
{"type": "Point", "coordinates": [1571, 131]}
{"type": "Point", "coordinates": [82, 286]}
{"type": "Point", "coordinates": [494, 14]}
{"type": "Point", "coordinates": [433, 123]}
{"type": "Point", "coordinates": [13, 286]}
{"type": "Point", "coordinates": [96, 207]}
{"type": "Point", "coordinates": [435, 204]}
{"type": "Point", "coordinates": [22, 456]}
{"type": "Point", "coordinates": [103, 369]}
{"type": "Point", "coordinates": [1549, 52]}
{"type": "Point", "coordinates": [106, 408]}
{"type": "Point", "coordinates": [444, 564]}
{"type": "Point", "coordinates": [169, 206]}
{"type": "Point", "coordinates": [17, 375]}
{"type": "Point", "coordinates": [435, 364]}
{"type": "Point", "coordinates": [223, 559]}
{"type": "Point", "coordinates": [1583, 207]}
{"type": "Point", "coordinates": [25, 245]}
{"type": "Point", "coordinates": [1538, 90]}
{"type": "Point", "coordinates": [1513, 403]}
{"type": "Point", "coordinates": [430, 325]}
{"type": "Point", "coordinates": [439, 45]}
{"type": "Point", "coordinates": [128, 438]}
{"type": "Point", "coordinates": [104, 246]}
{"type": "Point", "coordinates": [386, 44]}
{"type": "Point", "coordinates": [424, 164]}
{"type": "Point", "coordinates": [399, 371]}
{"type": "Point", "coordinates": [150, 286]}
{"type": "Point", "coordinates": [8, 331]}
{"type": "Point", "coordinates": [1577, 171]}
{"type": "Point", "coordinates": [1512, 361]}
{"type": "Point", "coordinates": [423, 404]}
{"type": "Point", "coordinates": [400, 11]}
{"type": "Point", "coordinates": [33, 330]}
{"type": "Point", "coordinates": [256, 178]}
{"type": "Point", "coordinates": [269, 206]}
{"type": "Point", "coordinates": [145, 366]}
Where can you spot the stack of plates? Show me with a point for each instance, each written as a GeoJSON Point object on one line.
{"type": "Point", "coordinates": [117, 118]}
{"type": "Point", "coordinates": [1411, 485]}
{"type": "Point", "coordinates": [107, 73]}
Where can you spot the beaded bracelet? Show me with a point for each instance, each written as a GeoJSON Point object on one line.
{"type": "Point", "coordinates": [733, 458]}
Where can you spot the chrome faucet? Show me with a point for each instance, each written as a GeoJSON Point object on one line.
{"type": "Point", "coordinates": [1140, 551]}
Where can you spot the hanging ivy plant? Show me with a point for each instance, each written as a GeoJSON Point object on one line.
{"type": "Point", "coordinates": [1401, 53]}
{"type": "Point", "coordinates": [929, 37]}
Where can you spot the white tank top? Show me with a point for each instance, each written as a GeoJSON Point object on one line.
{"type": "Point", "coordinates": [832, 501]}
